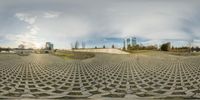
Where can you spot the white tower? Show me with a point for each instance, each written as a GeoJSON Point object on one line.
{"type": "Point", "coordinates": [129, 41]}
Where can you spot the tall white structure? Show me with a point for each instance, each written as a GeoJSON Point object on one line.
{"type": "Point", "coordinates": [129, 41]}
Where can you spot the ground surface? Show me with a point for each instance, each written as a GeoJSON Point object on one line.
{"type": "Point", "coordinates": [111, 51]}
{"type": "Point", "coordinates": [104, 76]}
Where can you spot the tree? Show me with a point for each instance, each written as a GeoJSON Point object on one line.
{"type": "Point", "coordinates": [124, 47]}
{"type": "Point", "coordinates": [72, 46]}
{"type": "Point", "coordinates": [76, 45]}
{"type": "Point", "coordinates": [113, 46]}
{"type": "Point", "coordinates": [55, 50]}
{"type": "Point", "coordinates": [189, 45]}
{"type": "Point", "coordinates": [104, 46]}
{"type": "Point", "coordinates": [7, 49]}
{"type": "Point", "coordinates": [136, 47]}
{"type": "Point", "coordinates": [150, 47]}
{"type": "Point", "coordinates": [95, 47]}
{"type": "Point", "coordinates": [172, 47]}
{"type": "Point", "coordinates": [83, 45]}
{"type": "Point", "coordinates": [21, 46]}
{"type": "Point", "coordinates": [166, 46]}
{"type": "Point", "coordinates": [197, 49]}
{"type": "Point", "coordinates": [192, 49]}
{"type": "Point", "coordinates": [129, 47]}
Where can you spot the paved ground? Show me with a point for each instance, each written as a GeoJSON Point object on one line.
{"type": "Point", "coordinates": [106, 75]}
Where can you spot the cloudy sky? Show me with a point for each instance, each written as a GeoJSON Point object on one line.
{"type": "Point", "coordinates": [34, 22]}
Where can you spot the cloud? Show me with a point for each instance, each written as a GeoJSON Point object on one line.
{"type": "Point", "coordinates": [28, 38]}
{"type": "Point", "coordinates": [196, 42]}
{"type": "Point", "coordinates": [66, 21]}
{"type": "Point", "coordinates": [26, 17]}
{"type": "Point", "coordinates": [68, 26]}
{"type": "Point", "coordinates": [33, 30]}
{"type": "Point", "coordinates": [51, 14]}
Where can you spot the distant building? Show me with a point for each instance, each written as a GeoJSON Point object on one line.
{"type": "Point", "coordinates": [49, 46]}
{"type": "Point", "coordinates": [129, 41]}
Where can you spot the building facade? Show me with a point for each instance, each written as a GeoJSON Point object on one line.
{"type": "Point", "coordinates": [129, 41]}
{"type": "Point", "coordinates": [49, 46]}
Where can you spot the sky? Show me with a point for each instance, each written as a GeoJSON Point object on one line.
{"type": "Point", "coordinates": [62, 22]}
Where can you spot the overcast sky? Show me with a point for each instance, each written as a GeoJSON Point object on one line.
{"type": "Point", "coordinates": [34, 22]}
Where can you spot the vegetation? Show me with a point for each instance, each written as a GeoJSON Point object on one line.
{"type": "Point", "coordinates": [5, 49]}
{"type": "Point", "coordinates": [76, 45]}
{"type": "Point", "coordinates": [178, 51]}
{"type": "Point", "coordinates": [166, 46]}
{"type": "Point", "coordinates": [104, 46]}
{"type": "Point", "coordinates": [113, 46]}
{"type": "Point", "coordinates": [185, 53]}
{"type": "Point", "coordinates": [73, 55]}
{"type": "Point", "coordinates": [197, 49]}
{"type": "Point", "coordinates": [139, 48]}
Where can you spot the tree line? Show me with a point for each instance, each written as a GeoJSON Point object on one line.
{"type": "Point", "coordinates": [197, 49]}
{"type": "Point", "coordinates": [5, 49]}
{"type": "Point", "coordinates": [140, 47]}
{"type": "Point", "coordinates": [164, 47]}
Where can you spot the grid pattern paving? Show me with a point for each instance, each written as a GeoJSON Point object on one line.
{"type": "Point", "coordinates": [105, 75]}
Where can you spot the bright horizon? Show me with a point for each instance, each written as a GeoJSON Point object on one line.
{"type": "Point", "coordinates": [35, 22]}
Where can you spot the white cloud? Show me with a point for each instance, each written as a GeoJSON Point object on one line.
{"type": "Point", "coordinates": [28, 38]}
{"type": "Point", "coordinates": [26, 17]}
{"type": "Point", "coordinates": [71, 20]}
{"type": "Point", "coordinates": [51, 14]}
{"type": "Point", "coordinates": [33, 30]}
{"type": "Point", "coordinates": [65, 26]}
{"type": "Point", "coordinates": [196, 43]}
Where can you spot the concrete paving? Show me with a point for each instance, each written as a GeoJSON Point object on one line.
{"type": "Point", "coordinates": [104, 76]}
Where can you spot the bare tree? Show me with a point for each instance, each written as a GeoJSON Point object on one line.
{"type": "Point", "coordinates": [72, 46]}
{"type": "Point", "coordinates": [113, 46]}
{"type": "Point", "coordinates": [76, 45]}
{"type": "Point", "coordinates": [190, 45]}
{"type": "Point", "coordinates": [83, 45]}
{"type": "Point", "coordinates": [124, 42]}
{"type": "Point", "coordinates": [104, 46]}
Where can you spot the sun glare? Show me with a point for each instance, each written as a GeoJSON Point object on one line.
{"type": "Point", "coordinates": [38, 45]}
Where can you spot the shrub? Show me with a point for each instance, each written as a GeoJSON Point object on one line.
{"type": "Point", "coordinates": [166, 46]}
